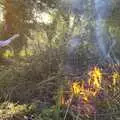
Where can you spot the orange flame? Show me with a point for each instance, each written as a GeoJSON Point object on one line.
{"type": "Point", "coordinates": [84, 91]}
{"type": "Point", "coordinates": [94, 85]}
{"type": "Point", "coordinates": [115, 77]}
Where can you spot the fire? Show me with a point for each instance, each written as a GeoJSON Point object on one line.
{"type": "Point", "coordinates": [76, 88]}
{"type": "Point", "coordinates": [115, 77]}
{"type": "Point", "coordinates": [95, 78]}
{"type": "Point", "coordinates": [91, 87]}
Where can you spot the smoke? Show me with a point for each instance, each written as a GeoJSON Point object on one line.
{"type": "Point", "coordinates": [103, 8]}
{"type": "Point", "coordinates": [104, 40]}
{"type": "Point", "coordinates": [100, 12]}
{"type": "Point", "coordinates": [70, 62]}
{"type": "Point", "coordinates": [73, 44]}
{"type": "Point", "coordinates": [75, 6]}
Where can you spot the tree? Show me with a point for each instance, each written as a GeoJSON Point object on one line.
{"type": "Point", "coordinates": [18, 17]}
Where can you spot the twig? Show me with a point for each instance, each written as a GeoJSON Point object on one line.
{"type": "Point", "coordinates": [68, 107]}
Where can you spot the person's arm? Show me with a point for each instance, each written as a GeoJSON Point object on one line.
{"type": "Point", "coordinates": [8, 41]}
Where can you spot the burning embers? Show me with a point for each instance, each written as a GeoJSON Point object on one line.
{"type": "Point", "coordinates": [84, 93]}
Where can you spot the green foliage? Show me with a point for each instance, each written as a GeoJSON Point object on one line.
{"type": "Point", "coordinates": [39, 75]}
{"type": "Point", "coordinates": [10, 110]}
{"type": "Point", "coordinates": [46, 114]}
{"type": "Point", "coordinates": [114, 26]}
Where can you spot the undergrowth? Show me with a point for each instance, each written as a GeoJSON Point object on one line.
{"type": "Point", "coordinates": [33, 88]}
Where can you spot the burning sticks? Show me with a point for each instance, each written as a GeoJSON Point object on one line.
{"type": "Point", "coordinates": [96, 87]}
